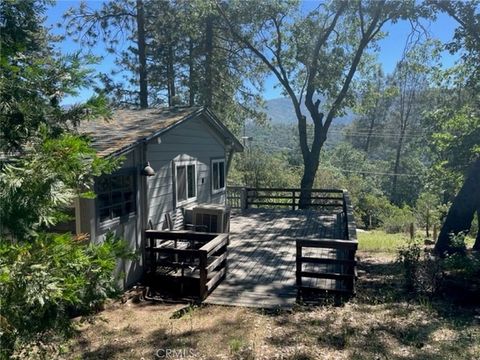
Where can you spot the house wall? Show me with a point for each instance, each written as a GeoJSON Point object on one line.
{"type": "Point", "coordinates": [191, 140]}
{"type": "Point", "coordinates": [129, 228]}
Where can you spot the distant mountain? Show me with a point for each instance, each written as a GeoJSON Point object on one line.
{"type": "Point", "coordinates": [280, 111]}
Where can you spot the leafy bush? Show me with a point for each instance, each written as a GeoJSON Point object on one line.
{"type": "Point", "coordinates": [45, 281]}
{"type": "Point", "coordinates": [426, 274]}
{"type": "Point", "coordinates": [50, 176]}
{"type": "Point", "coordinates": [370, 208]}
{"type": "Point", "coordinates": [423, 272]}
{"type": "Point", "coordinates": [396, 219]}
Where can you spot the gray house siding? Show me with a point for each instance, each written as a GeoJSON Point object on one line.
{"type": "Point", "coordinates": [129, 228]}
{"type": "Point", "coordinates": [190, 141]}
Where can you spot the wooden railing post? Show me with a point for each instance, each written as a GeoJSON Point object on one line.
{"type": "Point", "coordinates": [153, 264]}
{"type": "Point", "coordinates": [293, 199]}
{"type": "Point", "coordinates": [412, 231]}
{"type": "Point", "coordinates": [243, 198]}
{"type": "Point", "coordinates": [203, 274]}
{"type": "Point", "coordinates": [299, 265]}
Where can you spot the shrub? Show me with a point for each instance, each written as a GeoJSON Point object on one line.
{"type": "Point", "coordinates": [396, 219]}
{"type": "Point", "coordinates": [370, 209]}
{"type": "Point", "coordinates": [44, 282]}
{"type": "Point", "coordinates": [423, 272]}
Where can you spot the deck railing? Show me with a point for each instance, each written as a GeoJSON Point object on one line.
{"type": "Point", "coordinates": [322, 264]}
{"type": "Point", "coordinates": [247, 197]}
{"type": "Point", "coordinates": [194, 261]}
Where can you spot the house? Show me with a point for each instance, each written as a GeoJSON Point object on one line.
{"type": "Point", "coordinates": [189, 150]}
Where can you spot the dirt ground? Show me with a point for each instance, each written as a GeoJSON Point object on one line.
{"type": "Point", "coordinates": [379, 323]}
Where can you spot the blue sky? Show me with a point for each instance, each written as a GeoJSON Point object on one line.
{"type": "Point", "coordinates": [391, 47]}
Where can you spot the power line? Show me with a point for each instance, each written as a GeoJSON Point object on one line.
{"type": "Point", "coordinates": [374, 173]}
{"type": "Point", "coordinates": [380, 135]}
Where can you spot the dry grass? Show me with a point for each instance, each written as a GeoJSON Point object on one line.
{"type": "Point", "coordinates": [380, 323]}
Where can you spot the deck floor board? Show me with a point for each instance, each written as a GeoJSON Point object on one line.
{"type": "Point", "coordinates": [261, 255]}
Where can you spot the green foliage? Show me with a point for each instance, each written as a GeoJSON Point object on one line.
{"type": "Point", "coordinates": [34, 79]}
{"type": "Point", "coordinates": [36, 189]}
{"type": "Point", "coordinates": [256, 168]}
{"type": "Point", "coordinates": [466, 266]}
{"type": "Point", "coordinates": [429, 210]}
{"type": "Point", "coordinates": [457, 243]}
{"type": "Point", "coordinates": [371, 209]}
{"type": "Point", "coordinates": [423, 273]}
{"type": "Point", "coordinates": [47, 280]}
{"type": "Point", "coordinates": [397, 219]}
{"type": "Point", "coordinates": [427, 274]}
{"type": "Point", "coordinates": [180, 68]}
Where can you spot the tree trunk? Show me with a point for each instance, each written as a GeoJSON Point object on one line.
{"type": "Point", "coordinates": [369, 135]}
{"type": "Point", "coordinates": [427, 223]}
{"type": "Point", "coordinates": [208, 90]}
{"type": "Point", "coordinates": [397, 166]}
{"type": "Point", "coordinates": [191, 82]}
{"type": "Point", "coordinates": [460, 214]}
{"type": "Point", "coordinates": [308, 178]}
{"type": "Point", "coordinates": [476, 246]}
{"type": "Point", "coordinates": [142, 57]}
{"type": "Point", "coordinates": [171, 75]}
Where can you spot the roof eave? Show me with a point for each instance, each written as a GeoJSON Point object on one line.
{"type": "Point", "coordinates": [227, 134]}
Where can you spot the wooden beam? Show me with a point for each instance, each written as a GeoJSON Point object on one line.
{"type": "Point", "coordinates": [216, 262]}
{"type": "Point", "coordinates": [180, 234]}
{"type": "Point", "coordinates": [328, 243]}
{"type": "Point", "coordinates": [312, 260]}
{"type": "Point", "coordinates": [325, 275]}
{"type": "Point", "coordinates": [214, 280]}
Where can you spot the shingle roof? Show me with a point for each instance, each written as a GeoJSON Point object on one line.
{"type": "Point", "coordinates": [128, 127]}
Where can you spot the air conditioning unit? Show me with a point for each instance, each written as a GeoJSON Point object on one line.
{"type": "Point", "coordinates": [215, 217]}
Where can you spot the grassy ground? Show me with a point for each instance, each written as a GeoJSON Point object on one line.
{"type": "Point", "coordinates": [381, 322]}
{"type": "Point", "coordinates": [380, 241]}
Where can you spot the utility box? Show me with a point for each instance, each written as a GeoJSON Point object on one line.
{"type": "Point", "coordinates": [214, 216]}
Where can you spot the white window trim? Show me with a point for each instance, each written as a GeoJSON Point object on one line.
{"type": "Point", "coordinates": [192, 199]}
{"type": "Point", "coordinates": [217, 191]}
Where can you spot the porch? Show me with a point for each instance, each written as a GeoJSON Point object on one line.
{"type": "Point", "coordinates": [278, 253]}
{"type": "Point", "coordinates": [274, 254]}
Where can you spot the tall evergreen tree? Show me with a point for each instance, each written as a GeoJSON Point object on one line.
{"type": "Point", "coordinates": [121, 25]}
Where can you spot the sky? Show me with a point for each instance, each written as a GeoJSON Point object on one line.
{"type": "Point", "coordinates": [390, 48]}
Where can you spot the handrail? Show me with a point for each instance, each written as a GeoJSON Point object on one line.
{"type": "Point", "coordinates": [246, 197]}
{"type": "Point", "coordinates": [351, 228]}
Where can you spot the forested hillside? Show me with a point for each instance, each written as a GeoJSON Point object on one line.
{"type": "Point", "coordinates": [281, 111]}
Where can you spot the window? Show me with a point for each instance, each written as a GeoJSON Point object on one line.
{"type": "Point", "coordinates": [116, 196]}
{"type": "Point", "coordinates": [186, 182]}
{"type": "Point", "coordinates": [218, 175]}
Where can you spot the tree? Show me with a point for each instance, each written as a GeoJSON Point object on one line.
{"type": "Point", "coordinates": [427, 210]}
{"type": "Point", "coordinates": [299, 55]}
{"type": "Point", "coordinates": [116, 22]}
{"type": "Point", "coordinates": [34, 78]}
{"type": "Point", "coordinates": [460, 215]}
{"type": "Point", "coordinates": [458, 130]}
{"type": "Point", "coordinates": [376, 95]}
{"type": "Point", "coordinates": [44, 276]}
{"type": "Point", "coordinates": [190, 59]}
{"type": "Point", "coordinates": [411, 80]}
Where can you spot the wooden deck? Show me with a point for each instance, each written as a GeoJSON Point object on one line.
{"type": "Point", "coordinates": [262, 255]}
